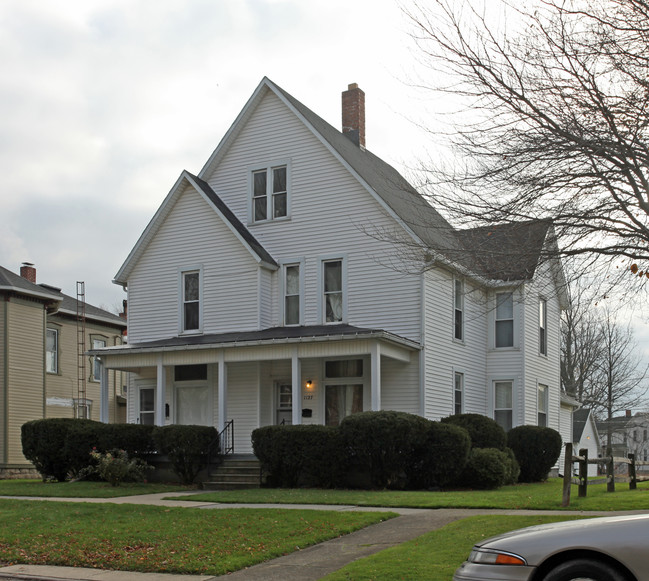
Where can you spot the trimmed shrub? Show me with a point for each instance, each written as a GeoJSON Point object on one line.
{"type": "Point", "coordinates": [44, 444]}
{"type": "Point", "coordinates": [537, 449]}
{"type": "Point", "coordinates": [486, 469]}
{"type": "Point", "coordinates": [439, 457]}
{"type": "Point", "coordinates": [293, 456]}
{"type": "Point", "coordinates": [188, 448]}
{"type": "Point", "coordinates": [382, 444]}
{"type": "Point", "coordinates": [116, 467]}
{"type": "Point", "coordinates": [483, 431]}
{"type": "Point", "coordinates": [513, 469]}
{"type": "Point", "coordinates": [135, 439]}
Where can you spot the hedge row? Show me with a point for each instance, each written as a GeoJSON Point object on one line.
{"type": "Point", "coordinates": [59, 448]}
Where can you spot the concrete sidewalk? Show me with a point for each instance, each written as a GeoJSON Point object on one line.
{"type": "Point", "coordinates": [309, 564]}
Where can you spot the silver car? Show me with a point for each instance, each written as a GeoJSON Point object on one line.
{"type": "Point", "coordinates": [599, 549]}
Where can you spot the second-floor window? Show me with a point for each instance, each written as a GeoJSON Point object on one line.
{"type": "Point", "coordinates": [269, 193]}
{"type": "Point", "coordinates": [191, 301]}
{"type": "Point", "coordinates": [333, 290]}
{"type": "Point", "coordinates": [543, 327]}
{"type": "Point", "coordinates": [504, 320]}
{"type": "Point", "coordinates": [458, 310]}
{"type": "Point", "coordinates": [292, 294]}
{"type": "Point", "coordinates": [52, 351]}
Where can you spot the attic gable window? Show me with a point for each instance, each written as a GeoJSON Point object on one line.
{"type": "Point", "coordinates": [190, 301]}
{"type": "Point", "coordinates": [269, 193]}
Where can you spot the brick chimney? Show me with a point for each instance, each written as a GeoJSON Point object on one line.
{"type": "Point", "coordinates": [628, 413]}
{"type": "Point", "coordinates": [28, 271]}
{"type": "Point", "coordinates": [354, 114]}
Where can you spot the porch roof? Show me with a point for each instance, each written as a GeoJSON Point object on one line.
{"type": "Point", "coordinates": [264, 337]}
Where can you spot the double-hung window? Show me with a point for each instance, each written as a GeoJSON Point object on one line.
{"type": "Point", "coordinates": [292, 294]}
{"type": "Point", "coordinates": [343, 389]}
{"type": "Point", "coordinates": [269, 193]}
{"type": "Point", "coordinates": [504, 320]}
{"type": "Point", "coordinates": [333, 299]}
{"type": "Point", "coordinates": [52, 351]}
{"type": "Point", "coordinates": [504, 403]}
{"type": "Point", "coordinates": [543, 405]}
{"type": "Point", "coordinates": [190, 301]}
{"type": "Point", "coordinates": [458, 393]}
{"type": "Point", "coordinates": [458, 310]}
{"type": "Point", "coordinates": [543, 327]}
{"type": "Point", "coordinates": [96, 364]}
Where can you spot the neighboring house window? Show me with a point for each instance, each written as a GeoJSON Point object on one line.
{"type": "Point", "coordinates": [504, 320]}
{"type": "Point", "coordinates": [543, 327]}
{"type": "Point", "coordinates": [292, 294]}
{"type": "Point", "coordinates": [644, 435]}
{"type": "Point", "coordinates": [52, 351]}
{"type": "Point", "coordinates": [82, 408]}
{"type": "Point", "coordinates": [635, 436]}
{"type": "Point", "coordinates": [458, 300]}
{"type": "Point", "coordinates": [191, 301]}
{"type": "Point", "coordinates": [503, 403]}
{"type": "Point", "coordinates": [458, 393]}
{"type": "Point", "coordinates": [543, 406]}
{"type": "Point", "coordinates": [343, 389]}
{"type": "Point", "coordinates": [333, 291]}
{"type": "Point", "coordinates": [269, 193]}
{"type": "Point", "coordinates": [96, 363]}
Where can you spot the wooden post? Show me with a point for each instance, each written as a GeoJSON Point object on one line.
{"type": "Point", "coordinates": [610, 471]}
{"type": "Point", "coordinates": [583, 472]}
{"type": "Point", "coordinates": [632, 476]}
{"type": "Point", "coordinates": [567, 474]}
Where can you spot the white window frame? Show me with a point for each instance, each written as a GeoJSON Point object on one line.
{"type": "Point", "coordinates": [458, 375]}
{"type": "Point", "coordinates": [458, 310]}
{"type": "Point", "coordinates": [497, 320]}
{"type": "Point", "coordinates": [322, 302]}
{"type": "Point", "coordinates": [542, 405]}
{"type": "Point", "coordinates": [543, 326]}
{"type": "Point", "coordinates": [138, 418]}
{"type": "Point", "coordinates": [97, 342]}
{"type": "Point", "coordinates": [503, 409]}
{"type": "Point", "coordinates": [54, 358]}
{"type": "Point", "coordinates": [343, 381]}
{"type": "Point", "coordinates": [269, 168]}
{"type": "Point", "coordinates": [284, 264]}
{"type": "Point", "coordinates": [182, 272]}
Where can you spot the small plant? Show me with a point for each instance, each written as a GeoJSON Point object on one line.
{"type": "Point", "coordinates": [116, 467]}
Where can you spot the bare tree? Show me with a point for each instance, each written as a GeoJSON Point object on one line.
{"type": "Point", "coordinates": [559, 120]}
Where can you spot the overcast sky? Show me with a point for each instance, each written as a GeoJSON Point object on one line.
{"type": "Point", "coordinates": [104, 103]}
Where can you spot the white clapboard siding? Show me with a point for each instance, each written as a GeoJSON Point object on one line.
{"type": "Point", "coordinates": [193, 235]}
{"type": "Point", "coordinates": [329, 209]}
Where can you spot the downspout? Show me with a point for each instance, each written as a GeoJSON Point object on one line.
{"type": "Point", "coordinates": [422, 351]}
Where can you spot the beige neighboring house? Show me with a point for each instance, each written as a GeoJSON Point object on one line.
{"type": "Point", "coordinates": [39, 365]}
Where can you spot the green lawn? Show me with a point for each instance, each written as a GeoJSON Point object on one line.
{"type": "Point", "coordinates": [540, 496]}
{"type": "Point", "coordinates": [172, 540]}
{"type": "Point", "coordinates": [82, 489]}
{"type": "Point", "coordinates": [435, 555]}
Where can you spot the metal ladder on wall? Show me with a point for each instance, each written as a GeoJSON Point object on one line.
{"type": "Point", "coordinates": [81, 407]}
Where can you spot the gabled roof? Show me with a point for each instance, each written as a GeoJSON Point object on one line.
{"type": "Point", "coordinates": [11, 282]}
{"type": "Point", "coordinates": [69, 307]}
{"type": "Point", "coordinates": [580, 419]}
{"type": "Point", "coordinates": [210, 196]}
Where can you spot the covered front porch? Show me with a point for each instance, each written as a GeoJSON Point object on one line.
{"type": "Point", "coordinates": [296, 375]}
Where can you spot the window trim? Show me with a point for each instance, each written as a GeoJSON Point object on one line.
{"type": "Point", "coordinates": [268, 168]}
{"type": "Point", "coordinates": [94, 359]}
{"type": "Point", "coordinates": [458, 309]}
{"type": "Point", "coordinates": [494, 409]}
{"type": "Point", "coordinates": [542, 387]}
{"type": "Point", "coordinates": [458, 373]}
{"type": "Point", "coordinates": [284, 264]}
{"type": "Point", "coordinates": [496, 320]}
{"type": "Point", "coordinates": [543, 326]}
{"type": "Point", "coordinates": [322, 305]}
{"type": "Point", "coordinates": [181, 299]}
{"type": "Point", "coordinates": [363, 380]}
{"type": "Point", "coordinates": [57, 355]}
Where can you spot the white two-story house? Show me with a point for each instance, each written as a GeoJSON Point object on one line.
{"type": "Point", "coordinates": [299, 278]}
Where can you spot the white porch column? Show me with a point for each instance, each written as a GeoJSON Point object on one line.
{"type": "Point", "coordinates": [375, 366]}
{"type": "Point", "coordinates": [103, 390]}
{"type": "Point", "coordinates": [296, 388]}
{"type": "Point", "coordinates": [222, 394]}
{"type": "Point", "coordinates": [161, 381]}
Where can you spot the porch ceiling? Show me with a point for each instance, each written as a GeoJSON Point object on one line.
{"type": "Point", "coordinates": [266, 344]}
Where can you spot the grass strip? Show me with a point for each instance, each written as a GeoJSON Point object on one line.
{"type": "Point", "coordinates": [82, 489]}
{"type": "Point", "coordinates": [436, 555]}
{"type": "Point", "coordinates": [538, 496]}
{"type": "Point", "coordinates": [159, 539]}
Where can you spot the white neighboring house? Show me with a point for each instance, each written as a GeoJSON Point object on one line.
{"type": "Point", "coordinates": [629, 435]}
{"type": "Point", "coordinates": [269, 288]}
{"type": "Point", "coordinates": [586, 436]}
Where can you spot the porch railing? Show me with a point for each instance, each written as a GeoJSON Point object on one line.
{"type": "Point", "coordinates": [226, 438]}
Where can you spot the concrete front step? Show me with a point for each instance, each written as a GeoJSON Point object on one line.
{"type": "Point", "coordinates": [234, 473]}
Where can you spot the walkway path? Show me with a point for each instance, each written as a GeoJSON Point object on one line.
{"type": "Point", "coordinates": [307, 565]}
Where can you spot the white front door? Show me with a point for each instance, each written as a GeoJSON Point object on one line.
{"type": "Point", "coordinates": [193, 405]}
{"type": "Point", "coordinates": [283, 403]}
